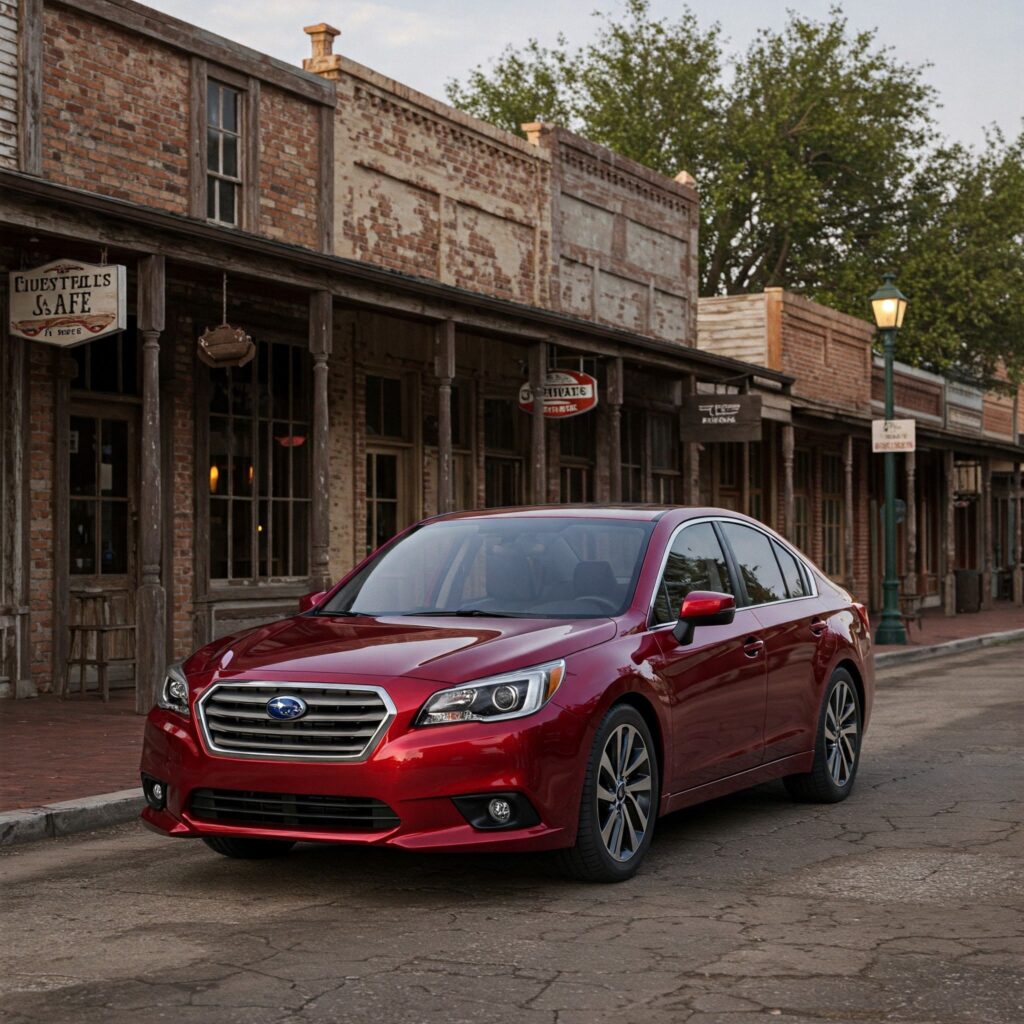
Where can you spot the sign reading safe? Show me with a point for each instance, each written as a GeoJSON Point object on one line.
{"type": "Point", "coordinates": [67, 302]}
{"type": "Point", "coordinates": [710, 418]}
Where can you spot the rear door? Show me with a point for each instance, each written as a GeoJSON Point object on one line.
{"type": "Point", "coordinates": [717, 682]}
{"type": "Point", "coordinates": [779, 593]}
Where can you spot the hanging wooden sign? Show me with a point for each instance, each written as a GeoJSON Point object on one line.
{"type": "Point", "coordinates": [566, 393]}
{"type": "Point", "coordinates": [225, 346]}
{"type": "Point", "coordinates": [710, 418]}
{"type": "Point", "coordinates": [68, 302]}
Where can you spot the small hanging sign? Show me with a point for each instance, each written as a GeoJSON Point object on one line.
{"type": "Point", "coordinates": [710, 418]}
{"type": "Point", "coordinates": [225, 345]}
{"type": "Point", "coordinates": [566, 393]}
{"type": "Point", "coordinates": [68, 302]}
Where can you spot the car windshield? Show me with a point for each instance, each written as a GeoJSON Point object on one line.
{"type": "Point", "coordinates": [533, 567]}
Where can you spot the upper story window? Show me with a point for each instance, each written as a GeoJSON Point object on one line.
{"type": "Point", "coordinates": [223, 152]}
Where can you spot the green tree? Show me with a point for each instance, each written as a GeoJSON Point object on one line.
{"type": "Point", "coordinates": [962, 261]}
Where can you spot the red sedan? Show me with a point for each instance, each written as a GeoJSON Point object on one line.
{"type": "Point", "coordinates": [530, 679]}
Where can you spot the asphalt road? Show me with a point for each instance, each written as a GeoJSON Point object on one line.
{"type": "Point", "coordinates": [903, 904]}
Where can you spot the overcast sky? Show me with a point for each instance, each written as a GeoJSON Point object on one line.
{"type": "Point", "coordinates": [975, 47]}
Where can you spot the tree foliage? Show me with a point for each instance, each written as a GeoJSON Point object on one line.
{"type": "Point", "coordinates": [817, 160]}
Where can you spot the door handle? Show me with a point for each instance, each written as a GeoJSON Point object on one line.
{"type": "Point", "coordinates": [818, 627]}
{"type": "Point", "coordinates": [752, 646]}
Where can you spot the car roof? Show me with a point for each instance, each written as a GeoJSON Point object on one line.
{"type": "Point", "coordinates": [637, 513]}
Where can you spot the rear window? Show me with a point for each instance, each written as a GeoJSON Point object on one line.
{"type": "Point", "coordinates": [755, 559]}
{"type": "Point", "coordinates": [796, 581]}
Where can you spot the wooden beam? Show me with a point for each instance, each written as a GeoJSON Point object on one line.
{"type": "Point", "coordinates": [1018, 534]}
{"type": "Point", "coordinates": [949, 583]}
{"type": "Point", "coordinates": [910, 580]}
{"type": "Point", "coordinates": [538, 447]}
{"type": "Point", "coordinates": [321, 330]}
{"type": "Point", "coordinates": [249, 214]}
{"type": "Point", "coordinates": [197, 138]}
{"type": "Point", "coordinates": [444, 371]}
{"type": "Point", "coordinates": [325, 211]}
{"type": "Point", "coordinates": [150, 598]}
{"type": "Point", "coordinates": [693, 455]}
{"type": "Point", "coordinates": [788, 495]}
{"type": "Point", "coordinates": [987, 534]}
{"type": "Point", "coordinates": [614, 402]}
{"type": "Point", "coordinates": [30, 87]}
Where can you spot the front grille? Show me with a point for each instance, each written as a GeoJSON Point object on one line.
{"type": "Point", "coordinates": [343, 723]}
{"type": "Point", "coordinates": [286, 810]}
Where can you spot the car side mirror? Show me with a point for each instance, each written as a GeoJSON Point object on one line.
{"type": "Point", "coordinates": [703, 608]}
{"type": "Point", "coordinates": [309, 601]}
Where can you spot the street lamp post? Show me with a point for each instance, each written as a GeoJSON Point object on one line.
{"type": "Point", "coordinates": [888, 305]}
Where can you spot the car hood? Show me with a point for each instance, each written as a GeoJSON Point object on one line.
{"type": "Point", "coordinates": [446, 650]}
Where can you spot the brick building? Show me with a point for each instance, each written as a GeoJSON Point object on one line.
{"type": "Point", "coordinates": [402, 270]}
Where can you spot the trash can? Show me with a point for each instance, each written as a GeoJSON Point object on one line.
{"type": "Point", "coordinates": [968, 590]}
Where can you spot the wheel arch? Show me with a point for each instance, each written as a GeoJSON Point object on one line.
{"type": "Point", "coordinates": [645, 709]}
{"type": "Point", "coordinates": [858, 681]}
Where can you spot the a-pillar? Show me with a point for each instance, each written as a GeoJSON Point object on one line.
{"type": "Point", "coordinates": [788, 498]}
{"type": "Point", "coordinates": [444, 371]}
{"type": "Point", "coordinates": [321, 331]}
{"type": "Point", "coordinates": [614, 402]}
{"type": "Point", "coordinates": [910, 576]}
{"type": "Point", "coordinates": [987, 533]}
{"type": "Point", "coordinates": [949, 583]}
{"type": "Point", "coordinates": [538, 448]}
{"type": "Point", "coordinates": [150, 597]}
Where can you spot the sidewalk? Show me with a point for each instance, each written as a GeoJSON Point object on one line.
{"type": "Point", "coordinates": [937, 628]}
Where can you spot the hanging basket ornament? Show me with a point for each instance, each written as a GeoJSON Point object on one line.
{"type": "Point", "coordinates": [225, 345]}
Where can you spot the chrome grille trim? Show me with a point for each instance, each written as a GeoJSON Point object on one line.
{"type": "Point", "coordinates": [344, 722]}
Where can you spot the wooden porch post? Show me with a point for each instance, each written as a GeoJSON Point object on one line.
{"type": "Point", "coordinates": [538, 453]}
{"type": "Point", "coordinates": [910, 576]}
{"type": "Point", "coordinates": [949, 584]}
{"type": "Point", "coordinates": [444, 371]}
{"type": "Point", "coordinates": [987, 533]}
{"type": "Point", "coordinates": [321, 330]}
{"type": "Point", "coordinates": [614, 399]}
{"type": "Point", "coordinates": [150, 597]}
{"type": "Point", "coordinates": [1018, 536]}
{"type": "Point", "coordinates": [693, 457]}
{"type": "Point", "coordinates": [788, 499]}
{"type": "Point", "coordinates": [848, 512]}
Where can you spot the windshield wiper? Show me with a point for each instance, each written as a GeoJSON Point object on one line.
{"type": "Point", "coordinates": [482, 612]}
{"type": "Point", "coordinates": [340, 613]}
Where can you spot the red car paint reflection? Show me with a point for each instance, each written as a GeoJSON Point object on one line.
{"type": "Point", "coordinates": [520, 680]}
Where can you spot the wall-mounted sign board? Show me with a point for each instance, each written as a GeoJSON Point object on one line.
{"type": "Point", "coordinates": [566, 393]}
{"type": "Point", "coordinates": [893, 435]}
{"type": "Point", "coordinates": [710, 418]}
{"type": "Point", "coordinates": [67, 302]}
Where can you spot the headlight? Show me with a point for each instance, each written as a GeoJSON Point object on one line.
{"type": "Point", "coordinates": [174, 692]}
{"type": "Point", "coordinates": [496, 698]}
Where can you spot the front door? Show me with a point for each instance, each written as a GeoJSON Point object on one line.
{"type": "Point", "coordinates": [101, 519]}
{"type": "Point", "coordinates": [718, 680]}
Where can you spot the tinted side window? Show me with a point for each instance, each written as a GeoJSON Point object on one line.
{"type": "Point", "coordinates": [796, 583]}
{"type": "Point", "coordinates": [753, 552]}
{"type": "Point", "coordinates": [696, 562]}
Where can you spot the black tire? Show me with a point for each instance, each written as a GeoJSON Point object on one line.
{"type": "Point", "coordinates": [590, 859]}
{"type": "Point", "coordinates": [836, 759]}
{"type": "Point", "coordinates": [248, 849]}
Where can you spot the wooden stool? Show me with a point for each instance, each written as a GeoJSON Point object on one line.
{"type": "Point", "coordinates": [94, 624]}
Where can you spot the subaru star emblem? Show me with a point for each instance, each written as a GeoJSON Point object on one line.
{"type": "Point", "coordinates": [284, 708]}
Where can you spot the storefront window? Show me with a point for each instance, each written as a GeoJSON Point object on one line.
{"type": "Point", "coordinates": [259, 466]}
{"type": "Point", "coordinates": [109, 365]}
{"type": "Point", "coordinates": [802, 499]}
{"type": "Point", "coordinates": [577, 475]}
{"type": "Point", "coordinates": [632, 443]}
{"type": "Point", "coordinates": [665, 451]}
{"type": "Point", "coordinates": [503, 464]}
{"type": "Point", "coordinates": [832, 514]}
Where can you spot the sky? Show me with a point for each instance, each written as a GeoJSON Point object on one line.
{"type": "Point", "coordinates": [975, 48]}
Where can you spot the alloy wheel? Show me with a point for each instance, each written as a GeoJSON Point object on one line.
{"type": "Point", "coordinates": [624, 792]}
{"type": "Point", "coordinates": [841, 733]}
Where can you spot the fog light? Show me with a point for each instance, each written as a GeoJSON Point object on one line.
{"type": "Point", "coordinates": [499, 810]}
{"type": "Point", "coordinates": [155, 792]}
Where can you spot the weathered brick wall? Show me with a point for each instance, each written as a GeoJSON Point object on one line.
{"type": "Point", "coordinates": [997, 415]}
{"type": "Point", "coordinates": [911, 394]}
{"type": "Point", "coordinates": [425, 189]}
{"type": "Point", "coordinates": [41, 471]}
{"type": "Point", "coordinates": [289, 168]}
{"type": "Point", "coordinates": [9, 83]}
{"type": "Point", "coordinates": [828, 352]}
{"type": "Point", "coordinates": [115, 112]}
{"type": "Point", "coordinates": [624, 239]}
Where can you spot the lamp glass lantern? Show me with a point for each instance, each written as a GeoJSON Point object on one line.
{"type": "Point", "coordinates": [888, 305]}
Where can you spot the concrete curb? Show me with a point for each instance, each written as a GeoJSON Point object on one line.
{"type": "Point", "coordinates": [62, 819]}
{"type": "Point", "coordinates": [967, 643]}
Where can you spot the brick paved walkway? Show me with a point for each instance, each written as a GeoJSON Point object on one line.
{"type": "Point", "coordinates": [54, 750]}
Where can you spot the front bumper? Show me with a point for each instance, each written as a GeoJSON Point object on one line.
{"type": "Point", "coordinates": [416, 772]}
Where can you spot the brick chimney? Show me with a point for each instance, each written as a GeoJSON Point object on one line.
{"type": "Point", "coordinates": [325, 61]}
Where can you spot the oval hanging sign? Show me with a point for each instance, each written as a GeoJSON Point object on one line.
{"type": "Point", "coordinates": [566, 393]}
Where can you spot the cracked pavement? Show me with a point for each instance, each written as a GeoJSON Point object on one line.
{"type": "Point", "coordinates": [904, 903]}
